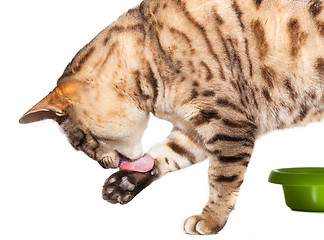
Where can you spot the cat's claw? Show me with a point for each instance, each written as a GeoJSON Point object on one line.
{"type": "Point", "coordinates": [201, 225]}
{"type": "Point", "coordinates": [122, 186]}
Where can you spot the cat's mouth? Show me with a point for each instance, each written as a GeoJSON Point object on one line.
{"type": "Point", "coordinates": [143, 164]}
{"type": "Point", "coordinates": [123, 158]}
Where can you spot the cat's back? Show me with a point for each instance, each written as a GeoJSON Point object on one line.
{"type": "Point", "coordinates": [268, 51]}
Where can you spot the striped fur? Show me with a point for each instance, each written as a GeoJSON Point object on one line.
{"type": "Point", "coordinates": [223, 72]}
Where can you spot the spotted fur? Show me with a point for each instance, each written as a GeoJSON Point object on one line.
{"type": "Point", "coordinates": [224, 72]}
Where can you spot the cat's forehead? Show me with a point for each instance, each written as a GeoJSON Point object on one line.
{"type": "Point", "coordinates": [77, 63]}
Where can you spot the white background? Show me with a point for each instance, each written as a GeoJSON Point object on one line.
{"type": "Point", "coordinates": [50, 191]}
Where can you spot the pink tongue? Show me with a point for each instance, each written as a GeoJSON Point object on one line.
{"type": "Point", "coordinates": [143, 164]}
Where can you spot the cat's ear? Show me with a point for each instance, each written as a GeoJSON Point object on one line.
{"type": "Point", "coordinates": [55, 104]}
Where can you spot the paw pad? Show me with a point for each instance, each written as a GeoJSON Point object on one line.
{"type": "Point", "coordinates": [123, 186]}
{"type": "Point", "coordinates": [118, 189]}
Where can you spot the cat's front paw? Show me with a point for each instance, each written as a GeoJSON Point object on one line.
{"type": "Point", "coordinates": [123, 186]}
{"type": "Point", "coordinates": [201, 225]}
{"type": "Point", "coordinates": [118, 188]}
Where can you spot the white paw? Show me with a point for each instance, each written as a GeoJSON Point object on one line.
{"type": "Point", "coordinates": [201, 225]}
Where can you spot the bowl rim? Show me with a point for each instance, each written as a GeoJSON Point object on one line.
{"type": "Point", "coordinates": [299, 176]}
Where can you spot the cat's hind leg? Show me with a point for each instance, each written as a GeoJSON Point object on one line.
{"type": "Point", "coordinates": [178, 151]}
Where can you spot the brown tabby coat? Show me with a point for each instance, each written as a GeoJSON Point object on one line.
{"type": "Point", "coordinates": [222, 71]}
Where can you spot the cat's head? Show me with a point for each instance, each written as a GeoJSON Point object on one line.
{"type": "Point", "coordinates": [96, 103]}
{"type": "Point", "coordinates": [99, 101]}
{"type": "Point", "coordinates": [104, 125]}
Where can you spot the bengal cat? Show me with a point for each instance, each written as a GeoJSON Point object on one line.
{"type": "Point", "coordinates": [223, 72]}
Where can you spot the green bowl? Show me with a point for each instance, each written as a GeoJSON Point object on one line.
{"type": "Point", "coordinates": [303, 187]}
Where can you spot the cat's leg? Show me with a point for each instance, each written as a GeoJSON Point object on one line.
{"type": "Point", "coordinates": [176, 152]}
{"type": "Point", "coordinates": [230, 149]}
